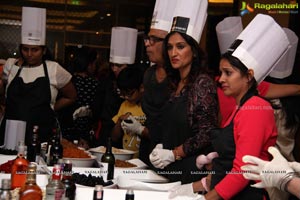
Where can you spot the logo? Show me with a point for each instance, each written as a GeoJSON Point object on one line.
{"type": "Point", "coordinates": [271, 8]}
{"type": "Point", "coordinates": [246, 9]}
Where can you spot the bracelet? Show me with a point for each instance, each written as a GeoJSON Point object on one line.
{"type": "Point", "coordinates": [177, 157]}
{"type": "Point", "coordinates": [284, 181]}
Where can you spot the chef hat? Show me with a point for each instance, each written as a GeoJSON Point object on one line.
{"type": "Point", "coordinates": [123, 45]}
{"type": "Point", "coordinates": [284, 67]}
{"type": "Point", "coordinates": [190, 17]}
{"type": "Point", "coordinates": [163, 14]}
{"type": "Point", "coordinates": [227, 31]}
{"type": "Point", "coordinates": [260, 45]}
{"type": "Point", "coordinates": [33, 26]}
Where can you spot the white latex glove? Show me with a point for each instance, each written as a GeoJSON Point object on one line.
{"type": "Point", "coordinates": [182, 190]}
{"type": "Point", "coordinates": [295, 166]}
{"type": "Point", "coordinates": [271, 173]}
{"type": "Point", "coordinates": [134, 127]}
{"type": "Point", "coordinates": [160, 158]}
{"type": "Point", "coordinates": [82, 111]}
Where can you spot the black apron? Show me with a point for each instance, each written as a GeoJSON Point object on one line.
{"type": "Point", "coordinates": [223, 143]}
{"type": "Point", "coordinates": [175, 132]}
{"type": "Point", "coordinates": [30, 102]}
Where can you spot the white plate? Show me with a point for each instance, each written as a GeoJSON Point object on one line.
{"type": "Point", "coordinates": [124, 182]}
{"type": "Point", "coordinates": [121, 154]}
{"type": "Point", "coordinates": [112, 186]}
{"type": "Point", "coordinates": [139, 164]}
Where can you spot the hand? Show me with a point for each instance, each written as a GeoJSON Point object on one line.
{"type": "Point", "coordinates": [82, 111]}
{"type": "Point", "coordinates": [133, 126]}
{"type": "Point", "coordinates": [182, 190]}
{"type": "Point", "coordinates": [271, 173]}
{"type": "Point", "coordinates": [205, 160]}
{"type": "Point", "coordinates": [160, 158]}
{"type": "Point", "coordinates": [295, 166]}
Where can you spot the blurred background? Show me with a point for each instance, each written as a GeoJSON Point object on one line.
{"type": "Point", "coordinates": [75, 23]}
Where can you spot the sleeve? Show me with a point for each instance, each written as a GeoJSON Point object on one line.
{"type": "Point", "coordinates": [252, 128]}
{"type": "Point", "coordinates": [8, 68]}
{"type": "Point", "coordinates": [62, 76]}
{"type": "Point", "coordinates": [202, 114]}
{"type": "Point", "coordinates": [263, 88]}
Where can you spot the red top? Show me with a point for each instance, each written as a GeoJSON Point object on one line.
{"type": "Point", "coordinates": [254, 131]}
{"type": "Point", "coordinates": [227, 103]}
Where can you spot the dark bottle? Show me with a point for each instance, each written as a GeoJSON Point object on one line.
{"type": "Point", "coordinates": [50, 142]}
{"type": "Point", "coordinates": [98, 192]}
{"type": "Point", "coordinates": [31, 190]}
{"type": "Point", "coordinates": [67, 180]}
{"type": "Point", "coordinates": [56, 151]}
{"type": "Point", "coordinates": [109, 158]}
{"type": "Point", "coordinates": [19, 168]}
{"type": "Point", "coordinates": [129, 195]}
{"type": "Point", "coordinates": [34, 148]}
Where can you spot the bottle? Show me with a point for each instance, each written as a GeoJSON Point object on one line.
{"type": "Point", "coordinates": [109, 158]}
{"type": "Point", "coordinates": [129, 195]}
{"type": "Point", "coordinates": [5, 193]}
{"type": "Point", "coordinates": [31, 190]}
{"type": "Point", "coordinates": [98, 192]}
{"type": "Point", "coordinates": [67, 180]}
{"type": "Point", "coordinates": [56, 151]}
{"type": "Point", "coordinates": [19, 168]}
{"type": "Point", "coordinates": [55, 189]}
{"type": "Point", "coordinates": [50, 142]}
{"type": "Point", "coordinates": [34, 149]}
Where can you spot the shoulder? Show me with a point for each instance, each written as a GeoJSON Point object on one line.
{"type": "Point", "coordinates": [256, 108]}
{"type": "Point", "coordinates": [204, 80]}
{"type": "Point", "coordinates": [204, 84]}
{"type": "Point", "coordinates": [56, 68]}
{"type": "Point", "coordinates": [256, 100]}
{"type": "Point", "coordinates": [52, 64]}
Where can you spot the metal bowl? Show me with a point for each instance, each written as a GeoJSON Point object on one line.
{"type": "Point", "coordinates": [121, 154]}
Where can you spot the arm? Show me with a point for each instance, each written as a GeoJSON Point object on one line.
{"type": "Point", "coordinates": [282, 90]}
{"type": "Point", "coordinates": [294, 186]}
{"type": "Point", "coordinates": [117, 131]}
{"type": "Point", "coordinates": [202, 114]}
{"type": "Point", "coordinates": [68, 96]}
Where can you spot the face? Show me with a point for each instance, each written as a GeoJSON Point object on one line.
{"type": "Point", "coordinates": [132, 96]}
{"type": "Point", "coordinates": [180, 52]}
{"type": "Point", "coordinates": [231, 80]}
{"type": "Point", "coordinates": [32, 54]}
{"type": "Point", "coordinates": [154, 45]}
{"type": "Point", "coordinates": [117, 68]}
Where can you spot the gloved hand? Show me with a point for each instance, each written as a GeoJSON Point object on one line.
{"type": "Point", "coordinates": [82, 111]}
{"type": "Point", "coordinates": [182, 190]}
{"type": "Point", "coordinates": [295, 166]}
{"type": "Point", "coordinates": [271, 173]}
{"type": "Point", "coordinates": [204, 160]}
{"type": "Point", "coordinates": [132, 127]}
{"type": "Point", "coordinates": [160, 158]}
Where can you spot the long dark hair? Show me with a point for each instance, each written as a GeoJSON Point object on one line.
{"type": "Point", "coordinates": [199, 63]}
{"type": "Point", "coordinates": [237, 64]}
